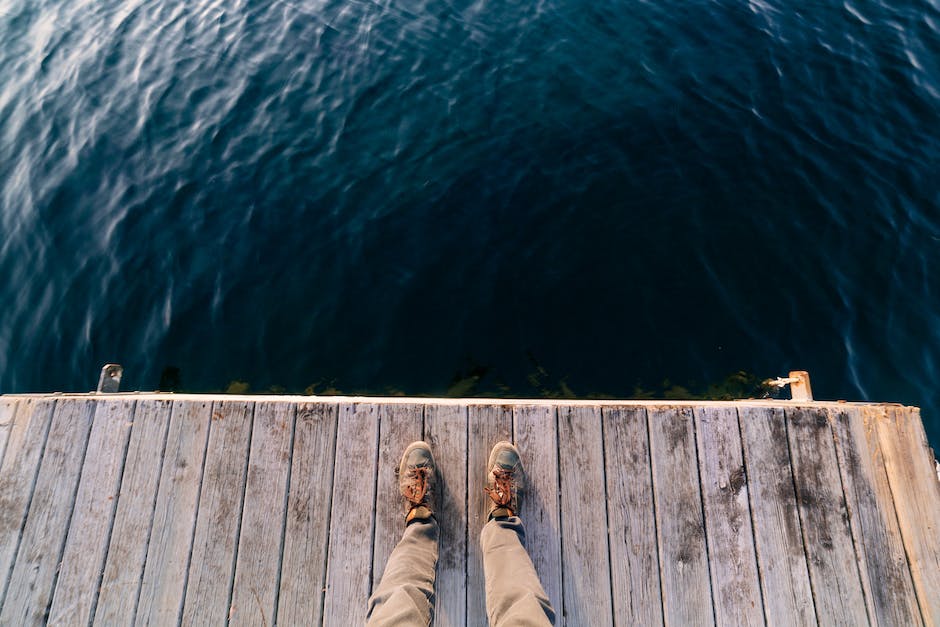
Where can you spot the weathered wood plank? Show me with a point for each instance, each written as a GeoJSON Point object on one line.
{"type": "Point", "coordinates": [686, 590]}
{"type": "Point", "coordinates": [254, 594]}
{"type": "Point", "coordinates": [174, 515]}
{"type": "Point", "coordinates": [399, 426]}
{"type": "Point", "coordinates": [916, 490]}
{"type": "Point", "coordinates": [33, 577]}
{"type": "Point", "coordinates": [834, 576]}
{"type": "Point", "coordinates": [7, 413]}
{"type": "Point", "coordinates": [634, 556]}
{"type": "Point", "coordinates": [886, 578]}
{"type": "Point", "coordinates": [786, 592]}
{"type": "Point", "coordinates": [215, 542]}
{"type": "Point", "coordinates": [18, 476]}
{"type": "Point", "coordinates": [487, 425]}
{"type": "Point", "coordinates": [89, 530]}
{"type": "Point", "coordinates": [732, 561]}
{"type": "Point", "coordinates": [352, 515]}
{"type": "Point", "coordinates": [445, 431]}
{"type": "Point", "coordinates": [303, 571]}
{"type": "Point", "coordinates": [587, 594]}
{"type": "Point", "coordinates": [127, 552]}
{"type": "Point", "coordinates": [536, 436]}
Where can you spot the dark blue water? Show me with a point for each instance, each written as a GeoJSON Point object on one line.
{"type": "Point", "coordinates": [515, 197]}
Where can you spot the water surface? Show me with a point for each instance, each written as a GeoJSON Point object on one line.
{"type": "Point", "coordinates": [552, 196]}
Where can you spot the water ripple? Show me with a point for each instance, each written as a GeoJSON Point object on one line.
{"type": "Point", "coordinates": [385, 194]}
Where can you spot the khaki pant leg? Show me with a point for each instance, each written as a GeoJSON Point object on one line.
{"type": "Point", "coordinates": [405, 596]}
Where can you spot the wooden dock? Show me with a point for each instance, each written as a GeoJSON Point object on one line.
{"type": "Point", "coordinates": [207, 510]}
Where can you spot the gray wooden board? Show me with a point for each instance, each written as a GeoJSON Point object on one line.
{"type": "Point", "coordinates": [445, 431]}
{"type": "Point", "coordinates": [89, 529]}
{"type": "Point", "coordinates": [487, 425]}
{"type": "Point", "coordinates": [33, 577]}
{"type": "Point", "coordinates": [916, 490]}
{"type": "Point", "coordinates": [399, 426]}
{"type": "Point", "coordinates": [18, 476]}
{"type": "Point", "coordinates": [127, 552]}
{"type": "Point", "coordinates": [824, 517]}
{"type": "Point", "coordinates": [171, 535]}
{"type": "Point", "coordinates": [787, 596]}
{"type": "Point", "coordinates": [303, 571]}
{"type": "Point", "coordinates": [215, 540]}
{"type": "Point", "coordinates": [732, 561]}
{"type": "Point", "coordinates": [680, 526]}
{"type": "Point", "coordinates": [352, 515]}
{"type": "Point", "coordinates": [535, 435]}
{"type": "Point", "coordinates": [886, 577]}
{"type": "Point", "coordinates": [634, 557]}
{"type": "Point", "coordinates": [7, 414]}
{"type": "Point", "coordinates": [584, 548]}
{"type": "Point", "coordinates": [259, 546]}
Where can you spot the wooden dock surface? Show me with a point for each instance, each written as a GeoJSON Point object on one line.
{"type": "Point", "coordinates": [210, 510]}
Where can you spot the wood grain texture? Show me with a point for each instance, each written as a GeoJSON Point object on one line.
{"type": "Point", "coordinates": [732, 561]}
{"type": "Point", "coordinates": [33, 577]}
{"type": "Point", "coordinates": [784, 575]}
{"type": "Point", "coordinates": [827, 537]}
{"type": "Point", "coordinates": [535, 435]}
{"type": "Point", "coordinates": [25, 445]}
{"type": "Point", "coordinates": [127, 552]}
{"type": "Point", "coordinates": [488, 424]}
{"type": "Point", "coordinates": [7, 414]}
{"type": "Point", "coordinates": [212, 564]}
{"type": "Point", "coordinates": [686, 591]}
{"type": "Point", "coordinates": [303, 570]}
{"type": "Point", "coordinates": [399, 426]}
{"type": "Point", "coordinates": [445, 430]}
{"type": "Point", "coordinates": [886, 578]}
{"type": "Point", "coordinates": [254, 594]}
{"type": "Point", "coordinates": [351, 519]}
{"type": "Point", "coordinates": [634, 556]}
{"type": "Point", "coordinates": [90, 527]}
{"type": "Point", "coordinates": [916, 491]}
{"type": "Point", "coordinates": [174, 515]}
{"type": "Point", "coordinates": [587, 594]}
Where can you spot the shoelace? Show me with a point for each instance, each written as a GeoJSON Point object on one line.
{"type": "Point", "coordinates": [501, 493]}
{"type": "Point", "coordinates": [416, 491]}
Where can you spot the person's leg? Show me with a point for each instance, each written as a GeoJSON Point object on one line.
{"type": "Point", "coordinates": [405, 596]}
{"type": "Point", "coordinates": [514, 594]}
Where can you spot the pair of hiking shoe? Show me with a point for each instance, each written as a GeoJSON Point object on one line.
{"type": "Point", "coordinates": [417, 477]}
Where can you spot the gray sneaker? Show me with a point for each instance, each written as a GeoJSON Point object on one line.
{"type": "Point", "coordinates": [505, 480]}
{"type": "Point", "coordinates": [416, 477]}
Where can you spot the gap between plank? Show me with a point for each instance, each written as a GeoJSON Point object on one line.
{"type": "Point", "coordinates": [280, 549]}
{"type": "Point", "coordinates": [466, 509]}
{"type": "Point", "coordinates": [610, 569]}
{"type": "Point", "coordinates": [659, 557]}
{"type": "Point", "coordinates": [192, 533]}
{"type": "Point", "coordinates": [561, 521]}
{"type": "Point", "coordinates": [114, 504]}
{"type": "Point", "coordinates": [375, 492]}
{"type": "Point", "coordinates": [701, 501]}
{"type": "Point", "coordinates": [68, 521]}
{"type": "Point", "coordinates": [153, 507]}
{"type": "Point", "coordinates": [848, 511]}
{"type": "Point", "coordinates": [799, 513]}
{"type": "Point", "coordinates": [329, 509]}
{"type": "Point", "coordinates": [241, 514]}
{"type": "Point", "coordinates": [750, 513]}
